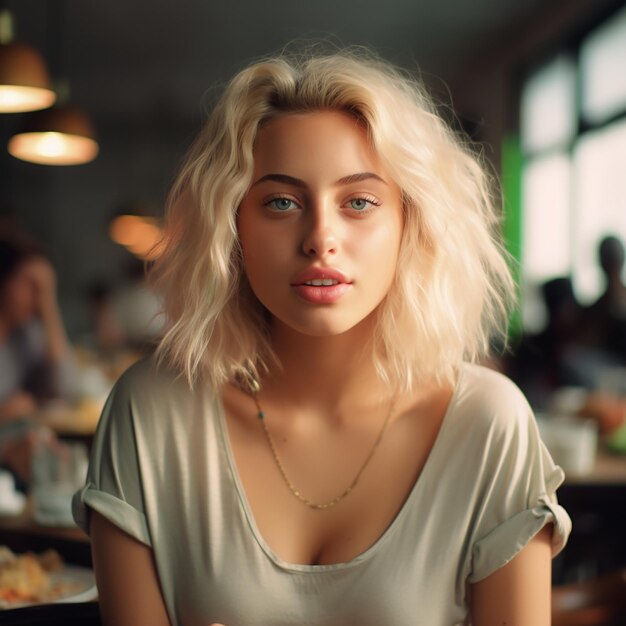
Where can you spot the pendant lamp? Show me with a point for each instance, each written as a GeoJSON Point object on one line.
{"type": "Point", "coordinates": [140, 235]}
{"type": "Point", "coordinates": [62, 135]}
{"type": "Point", "coordinates": [24, 80]}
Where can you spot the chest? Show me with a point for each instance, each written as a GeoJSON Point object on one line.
{"type": "Point", "coordinates": [320, 466]}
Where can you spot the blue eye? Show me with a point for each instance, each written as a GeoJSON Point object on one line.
{"type": "Point", "coordinates": [359, 204]}
{"type": "Point", "coordinates": [363, 204]}
{"type": "Point", "coordinates": [281, 204]}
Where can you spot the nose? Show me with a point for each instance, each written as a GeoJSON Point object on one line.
{"type": "Point", "coordinates": [320, 238]}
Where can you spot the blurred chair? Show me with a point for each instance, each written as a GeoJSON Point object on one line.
{"type": "Point", "coordinates": [598, 602]}
{"type": "Point", "coordinates": [78, 614]}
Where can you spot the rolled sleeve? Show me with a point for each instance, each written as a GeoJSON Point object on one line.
{"type": "Point", "coordinates": [516, 491]}
{"type": "Point", "coordinates": [506, 540]}
{"type": "Point", "coordinates": [113, 486]}
{"type": "Point", "coordinates": [118, 512]}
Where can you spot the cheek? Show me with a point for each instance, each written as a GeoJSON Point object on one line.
{"type": "Point", "coordinates": [248, 242]}
{"type": "Point", "coordinates": [254, 251]}
{"type": "Point", "coordinates": [264, 243]}
{"type": "Point", "coordinates": [264, 254]}
{"type": "Point", "coordinates": [379, 246]}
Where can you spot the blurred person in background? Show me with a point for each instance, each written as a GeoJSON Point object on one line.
{"type": "Point", "coordinates": [605, 319]}
{"type": "Point", "coordinates": [125, 315]}
{"type": "Point", "coordinates": [137, 309]}
{"type": "Point", "coordinates": [18, 445]}
{"type": "Point", "coordinates": [125, 321]}
{"type": "Point", "coordinates": [36, 365]}
{"type": "Point", "coordinates": [544, 361]}
{"type": "Point", "coordinates": [559, 368]}
{"type": "Point", "coordinates": [35, 360]}
{"type": "Point", "coordinates": [603, 333]}
{"type": "Point", "coordinates": [106, 336]}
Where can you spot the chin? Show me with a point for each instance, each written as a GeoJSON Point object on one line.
{"type": "Point", "coordinates": [324, 323]}
{"type": "Point", "coordinates": [323, 331]}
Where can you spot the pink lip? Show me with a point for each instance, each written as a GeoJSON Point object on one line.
{"type": "Point", "coordinates": [321, 294]}
{"type": "Point", "coordinates": [320, 273]}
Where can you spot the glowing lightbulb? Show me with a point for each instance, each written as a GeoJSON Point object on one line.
{"type": "Point", "coordinates": [50, 145]}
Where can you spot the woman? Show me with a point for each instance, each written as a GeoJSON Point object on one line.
{"type": "Point", "coordinates": [34, 356]}
{"type": "Point", "coordinates": [310, 444]}
{"type": "Point", "coordinates": [35, 362]}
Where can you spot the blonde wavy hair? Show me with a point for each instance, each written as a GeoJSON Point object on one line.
{"type": "Point", "coordinates": [452, 285]}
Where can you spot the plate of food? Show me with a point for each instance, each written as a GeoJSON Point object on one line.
{"type": "Point", "coordinates": [29, 579]}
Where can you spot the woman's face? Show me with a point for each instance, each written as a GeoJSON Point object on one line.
{"type": "Point", "coordinates": [321, 224]}
{"type": "Point", "coordinates": [19, 295]}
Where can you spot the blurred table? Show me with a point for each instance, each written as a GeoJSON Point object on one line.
{"type": "Point", "coordinates": [609, 469]}
{"type": "Point", "coordinates": [22, 533]}
{"type": "Point", "coordinates": [71, 423]}
{"type": "Point", "coordinates": [80, 420]}
{"type": "Point", "coordinates": [595, 502]}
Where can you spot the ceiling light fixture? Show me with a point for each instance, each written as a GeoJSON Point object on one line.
{"type": "Point", "coordinates": [138, 234]}
{"type": "Point", "coordinates": [24, 80]}
{"type": "Point", "coordinates": [62, 135]}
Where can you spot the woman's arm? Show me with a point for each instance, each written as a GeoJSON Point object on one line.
{"type": "Point", "coordinates": [128, 587]}
{"type": "Point", "coordinates": [517, 594]}
{"type": "Point", "coordinates": [44, 279]}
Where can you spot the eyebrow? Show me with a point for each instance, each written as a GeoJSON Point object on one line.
{"type": "Point", "coordinates": [297, 182]}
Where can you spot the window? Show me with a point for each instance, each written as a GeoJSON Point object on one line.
{"type": "Point", "coordinates": [602, 63]}
{"type": "Point", "coordinates": [573, 141]}
{"type": "Point", "coordinates": [600, 166]}
{"type": "Point", "coordinates": [548, 115]}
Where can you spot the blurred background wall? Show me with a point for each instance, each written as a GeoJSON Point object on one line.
{"type": "Point", "coordinates": [145, 72]}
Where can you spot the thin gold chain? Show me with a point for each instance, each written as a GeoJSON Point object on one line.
{"type": "Point", "coordinates": [296, 492]}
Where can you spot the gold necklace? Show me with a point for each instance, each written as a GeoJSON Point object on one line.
{"type": "Point", "coordinates": [296, 492]}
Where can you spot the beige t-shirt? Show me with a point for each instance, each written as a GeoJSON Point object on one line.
{"type": "Point", "coordinates": [162, 470]}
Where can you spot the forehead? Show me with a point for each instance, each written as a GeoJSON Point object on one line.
{"type": "Point", "coordinates": [316, 138]}
{"type": "Point", "coordinates": [300, 121]}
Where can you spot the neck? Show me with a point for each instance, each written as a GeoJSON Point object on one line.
{"type": "Point", "coordinates": [331, 374]}
{"type": "Point", "coordinates": [614, 281]}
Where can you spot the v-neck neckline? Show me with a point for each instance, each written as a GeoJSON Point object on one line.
{"type": "Point", "coordinates": [386, 534]}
